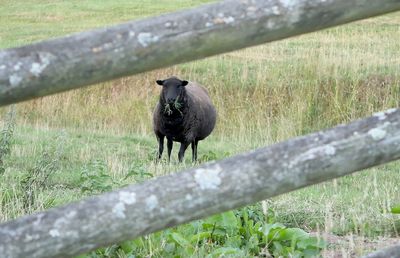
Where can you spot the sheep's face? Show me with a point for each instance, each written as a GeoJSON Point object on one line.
{"type": "Point", "coordinates": [172, 91]}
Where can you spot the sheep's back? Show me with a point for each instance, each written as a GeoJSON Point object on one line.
{"type": "Point", "coordinates": [202, 112]}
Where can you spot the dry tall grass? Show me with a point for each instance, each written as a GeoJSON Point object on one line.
{"type": "Point", "coordinates": [266, 93]}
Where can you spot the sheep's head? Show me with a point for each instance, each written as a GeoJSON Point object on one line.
{"type": "Point", "coordinates": [172, 93]}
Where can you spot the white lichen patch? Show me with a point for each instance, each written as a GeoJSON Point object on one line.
{"type": "Point", "coordinates": [146, 38]}
{"type": "Point", "coordinates": [131, 34]}
{"type": "Point", "coordinates": [71, 214]}
{"type": "Point", "coordinates": [311, 154]}
{"type": "Point", "coordinates": [380, 115]}
{"type": "Point", "coordinates": [275, 10]}
{"type": "Point", "coordinates": [38, 67]}
{"type": "Point", "coordinates": [127, 197]}
{"type": "Point", "coordinates": [2, 67]}
{"type": "Point", "coordinates": [308, 155]}
{"type": "Point", "coordinates": [209, 178]}
{"type": "Point", "coordinates": [229, 19]}
{"type": "Point", "coordinates": [289, 3]}
{"type": "Point", "coordinates": [54, 233]}
{"type": "Point", "coordinates": [293, 7]}
{"type": "Point", "coordinates": [329, 150]}
{"type": "Point", "coordinates": [17, 67]}
{"type": "Point", "coordinates": [377, 134]}
{"type": "Point", "coordinates": [14, 80]}
{"type": "Point", "coordinates": [38, 220]}
{"type": "Point", "coordinates": [222, 20]}
{"type": "Point", "coordinates": [29, 238]}
{"type": "Point", "coordinates": [117, 50]}
{"type": "Point", "coordinates": [151, 202]}
{"type": "Point", "coordinates": [209, 24]}
{"type": "Point", "coordinates": [119, 210]}
{"type": "Point", "coordinates": [270, 24]}
{"type": "Point", "coordinates": [96, 49]}
{"type": "Point", "coordinates": [392, 110]}
{"type": "Point", "coordinates": [251, 9]}
{"type": "Point", "coordinates": [386, 124]}
{"type": "Point", "coordinates": [188, 197]}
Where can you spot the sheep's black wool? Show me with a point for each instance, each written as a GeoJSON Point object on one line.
{"type": "Point", "coordinates": [183, 114]}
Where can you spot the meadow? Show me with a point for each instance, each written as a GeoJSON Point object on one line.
{"type": "Point", "coordinates": [63, 147]}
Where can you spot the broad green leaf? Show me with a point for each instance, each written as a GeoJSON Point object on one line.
{"type": "Point", "coordinates": [200, 236]}
{"type": "Point", "coordinates": [179, 239]}
{"type": "Point", "coordinates": [267, 228]}
{"type": "Point", "coordinates": [187, 248]}
{"type": "Point", "coordinates": [278, 249]}
{"type": "Point", "coordinates": [395, 210]}
{"type": "Point", "coordinates": [226, 252]}
{"type": "Point", "coordinates": [311, 242]}
{"type": "Point", "coordinates": [311, 253]}
{"type": "Point", "coordinates": [293, 233]}
{"type": "Point", "coordinates": [226, 221]}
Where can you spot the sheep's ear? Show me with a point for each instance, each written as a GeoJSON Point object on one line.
{"type": "Point", "coordinates": [184, 83]}
{"type": "Point", "coordinates": [160, 82]}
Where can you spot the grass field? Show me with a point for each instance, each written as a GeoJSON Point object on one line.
{"type": "Point", "coordinates": [88, 141]}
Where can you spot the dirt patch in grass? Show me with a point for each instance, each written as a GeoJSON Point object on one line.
{"type": "Point", "coordinates": [353, 245]}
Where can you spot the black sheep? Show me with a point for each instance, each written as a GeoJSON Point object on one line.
{"type": "Point", "coordinates": [184, 114]}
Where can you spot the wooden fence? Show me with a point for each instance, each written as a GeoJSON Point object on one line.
{"type": "Point", "coordinates": [61, 64]}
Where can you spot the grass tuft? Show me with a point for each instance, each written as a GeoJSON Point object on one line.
{"type": "Point", "coordinates": [6, 137]}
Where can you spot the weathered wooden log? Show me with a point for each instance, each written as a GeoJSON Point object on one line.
{"type": "Point", "coordinates": [103, 54]}
{"type": "Point", "coordinates": [215, 187]}
{"type": "Point", "coordinates": [390, 252]}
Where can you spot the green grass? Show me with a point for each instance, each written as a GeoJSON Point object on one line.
{"type": "Point", "coordinates": [358, 204]}
{"type": "Point", "coordinates": [263, 95]}
{"type": "Point", "coordinates": [24, 22]}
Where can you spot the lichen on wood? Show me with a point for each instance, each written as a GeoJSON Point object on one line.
{"type": "Point", "coordinates": [214, 187]}
{"type": "Point", "coordinates": [86, 58]}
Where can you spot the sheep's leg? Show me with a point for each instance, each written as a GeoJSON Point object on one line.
{"type": "Point", "coordinates": [160, 139]}
{"type": "Point", "coordinates": [182, 150]}
{"type": "Point", "coordinates": [169, 146]}
{"type": "Point", "coordinates": [194, 150]}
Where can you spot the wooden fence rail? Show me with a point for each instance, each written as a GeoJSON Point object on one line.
{"type": "Point", "coordinates": [199, 192]}
{"type": "Point", "coordinates": [390, 252]}
{"type": "Point", "coordinates": [66, 63]}
{"type": "Point", "coordinates": [86, 58]}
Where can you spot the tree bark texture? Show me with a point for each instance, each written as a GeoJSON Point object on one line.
{"type": "Point", "coordinates": [90, 57]}
{"type": "Point", "coordinates": [212, 188]}
{"type": "Point", "coordinates": [390, 252]}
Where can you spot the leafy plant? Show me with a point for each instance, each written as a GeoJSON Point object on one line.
{"type": "Point", "coordinates": [139, 172]}
{"type": "Point", "coordinates": [37, 177]}
{"type": "Point", "coordinates": [208, 156]}
{"type": "Point", "coordinates": [95, 178]}
{"type": "Point", "coordinates": [237, 233]}
{"type": "Point", "coordinates": [291, 242]}
{"type": "Point", "coordinates": [395, 210]}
